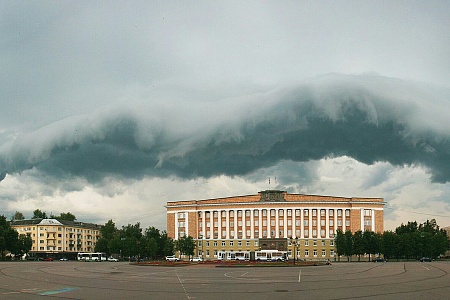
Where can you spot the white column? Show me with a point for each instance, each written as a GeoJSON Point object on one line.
{"type": "Point", "coordinates": [252, 224]}
{"type": "Point", "coordinates": [310, 223]}
{"type": "Point", "coordinates": [302, 225]}
{"type": "Point", "coordinates": [219, 224]}
{"type": "Point", "coordinates": [327, 223]}
{"type": "Point", "coordinates": [285, 220]}
{"type": "Point", "coordinates": [277, 225]}
{"type": "Point", "coordinates": [335, 219]}
{"type": "Point", "coordinates": [319, 227]}
{"type": "Point", "coordinates": [373, 220]}
{"type": "Point", "coordinates": [344, 228]}
{"type": "Point", "coordinates": [211, 227]}
{"type": "Point", "coordinates": [293, 222]}
{"type": "Point", "coordinates": [268, 223]}
{"type": "Point", "coordinates": [362, 219]}
{"type": "Point", "coordinates": [176, 226]}
{"type": "Point", "coordinates": [186, 223]}
{"type": "Point", "coordinates": [235, 218]}
{"type": "Point", "coordinates": [260, 227]}
{"type": "Point", "coordinates": [227, 224]}
{"type": "Point", "coordinates": [243, 224]}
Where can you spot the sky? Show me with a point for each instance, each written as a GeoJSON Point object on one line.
{"type": "Point", "coordinates": [109, 109]}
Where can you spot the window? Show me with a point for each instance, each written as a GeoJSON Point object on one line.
{"type": "Point", "coordinates": [215, 243]}
{"type": "Point", "coordinates": [224, 233]}
{"type": "Point", "coordinates": [306, 232]}
{"type": "Point", "coordinates": [322, 222]}
{"type": "Point", "coordinates": [323, 242]}
{"type": "Point", "coordinates": [314, 212]}
{"type": "Point", "coordinates": [281, 222]}
{"type": "Point", "coordinates": [367, 212]}
{"type": "Point", "coordinates": [224, 213]}
{"type": "Point", "coordinates": [289, 212]}
{"type": "Point", "coordinates": [306, 243]}
{"type": "Point", "coordinates": [347, 212]}
{"type": "Point", "coordinates": [180, 215]}
{"type": "Point", "coordinates": [306, 253]}
{"type": "Point", "coordinates": [305, 222]}
{"type": "Point", "coordinates": [216, 224]}
{"type": "Point", "coordinates": [239, 213]}
{"type": "Point", "coordinates": [322, 212]}
{"type": "Point", "coordinates": [247, 223]}
{"type": "Point", "coordinates": [239, 243]}
{"type": "Point", "coordinates": [224, 224]}
{"type": "Point", "coordinates": [297, 212]}
{"type": "Point", "coordinates": [339, 222]}
{"type": "Point", "coordinates": [264, 212]}
{"type": "Point", "coordinates": [256, 223]}
{"type": "Point", "coordinates": [331, 242]}
{"type": "Point", "coordinates": [367, 222]}
{"type": "Point", "coordinates": [215, 214]}
{"type": "Point", "coordinates": [331, 212]}
{"type": "Point", "coordinates": [207, 243]}
{"type": "Point", "coordinates": [322, 232]}
{"type": "Point", "coordinates": [231, 243]}
{"type": "Point", "coordinates": [314, 223]}
{"type": "Point", "coordinates": [324, 253]}
{"type": "Point", "coordinates": [223, 243]}
{"type": "Point", "coordinates": [347, 223]}
{"type": "Point", "coordinates": [248, 233]}
{"type": "Point", "coordinates": [289, 222]}
{"type": "Point", "coordinates": [272, 222]}
{"type": "Point", "coordinates": [247, 213]}
{"type": "Point", "coordinates": [247, 243]}
{"type": "Point", "coordinates": [315, 243]}
{"type": "Point", "coordinates": [331, 253]}
{"type": "Point", "coordinates": [315, 253]}
{"type": "Point", "coordinates": [339, 212]}
{"type": "Point", "coordinates": [256, 243]}
{"type": "Point", "coordinates": [280, 212]}
{"type": "Point", "coordinates": [272, 212]}
{"type": "Point", "coordinates": [239, 223]}
{"type": "Point", "coordinates": [255, 212]}
{"type": "Point", "coordinates": [305, 212]}
{"type": "Point", "coordinates": [314, 233]}
{"type": "Point", "coordinates": [264, 222]}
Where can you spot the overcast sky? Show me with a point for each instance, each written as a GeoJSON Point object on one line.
{"type": "Point", "coordinates": [109, 109]}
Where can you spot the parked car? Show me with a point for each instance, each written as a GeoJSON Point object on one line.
{"type": "Point", "coordinates": [426, 259]}
{"type": "Point", "coordinates": [48, 259]}
{"type": "Point", "coordinates": [172, 258]}
{"type": "Point", "coordinates": [196, 259]}
{"type": "Point", "coordinates": [379, 259]}
{"type": "Point", "coordinates": [63, 259]}
{"type": "Point", "coordinates": [112, 259]}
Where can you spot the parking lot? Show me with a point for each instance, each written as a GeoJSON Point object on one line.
{"type": "Point", "coordinates": [120, 280]}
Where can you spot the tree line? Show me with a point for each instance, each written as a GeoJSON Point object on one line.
{"type": "Point", "coordinates": [132, 241]}
{"type": "Point", "coordinates": [11, 241]}
{"type": "Point", "coordinates": [410, 241]}
{"type": "Point", "coordinates": [38, 214]}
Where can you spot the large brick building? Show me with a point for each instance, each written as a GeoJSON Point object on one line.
{"type": "Point", "coordinates": [272, 219]}
{"type": "Point", "coordinates": [58, 238]}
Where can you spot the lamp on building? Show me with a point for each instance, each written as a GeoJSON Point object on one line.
{"type": "Point", "coordinates": [295, 244]}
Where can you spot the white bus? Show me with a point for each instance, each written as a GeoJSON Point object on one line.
{"type": "Point", "coordinates": [91, 256]}
{"type": "Point", "coordinates": [242, 256]}
{"type": "Point", "coordinates": [271, 255]}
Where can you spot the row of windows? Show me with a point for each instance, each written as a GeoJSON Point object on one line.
{"type": "Point", "coordinates": [247, 243]}
{"type": "Point", "coordinates": [53, 229]}
{"type": "Point", "coordinates": [272, 212]}
{"type": "Point", "coordinates": [281, 223]}
{"type": "Point", "coordinates": [299, 253]}
{"type": "Point", "coordinates": [264, 233]}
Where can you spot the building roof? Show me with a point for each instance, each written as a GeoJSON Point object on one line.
{"type": "Point", "coordinates": [40, 221]}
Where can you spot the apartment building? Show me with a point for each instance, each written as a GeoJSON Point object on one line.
{"type": "Point", "coordinates": [272, 220]}
{"type": "Point", "coordinates": [58, 238]}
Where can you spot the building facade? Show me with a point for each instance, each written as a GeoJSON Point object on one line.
{"type": "Point", "coordinates": [58, 238]}
{"type": "Point", "coordinates": [273, 220]}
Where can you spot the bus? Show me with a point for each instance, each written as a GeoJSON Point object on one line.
{"type": "Point", "coordinates": [91, 256]}
{"type": "Point", "coordinates": [231, 255]}
{"type": "Point", "coordinates": [271, 255]}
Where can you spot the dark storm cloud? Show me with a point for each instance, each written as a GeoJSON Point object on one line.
{"type": "Point", "coordinates": [369, 118]}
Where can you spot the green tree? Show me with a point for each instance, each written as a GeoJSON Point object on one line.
{"type": "Point", "coordinates": [348, 244]}
{"type": "Point", "coordinates": [389, 243]}
{"type": "Point", "coordinates": [66, 216]}
{"type": "Point", "coordinates": [339, 243]}
{"type": "Point", "coordinates": [358, 244]}
{"type": "Point", "coordinates": [186, 245]}
{"type": "Point", "coordinates": [38, 214]}
{"type": "Point", "coordinates": [17, 216]}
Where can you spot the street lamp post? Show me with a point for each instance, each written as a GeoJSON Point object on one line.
{"type": "Point", "coordinates": [295, 245]}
